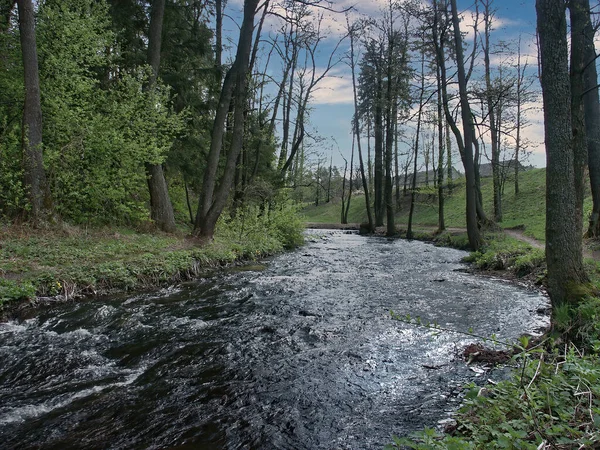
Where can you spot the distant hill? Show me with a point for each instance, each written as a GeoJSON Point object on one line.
{"type": "Point", "coordinates": [427, 178]}
{"type": "Point", "coordinates": [507, 167]}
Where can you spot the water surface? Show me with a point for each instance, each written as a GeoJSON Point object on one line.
{"type": "Point", "coordinates": [300, 355]}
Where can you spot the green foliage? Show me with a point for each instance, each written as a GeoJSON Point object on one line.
{"type": "Point", "coordinates": [501, 252]}
{"type": "Point", "coordinates": [12, 195]}
{"type": "Point", "coordinates": [74, 262]}
{"type": "Point", "coordinates": [262, 229]}
{"type": "Point", "coordinates": [100, 123]}
{"type": "Point", "coordinates": [553, 400]}
{"type": "Point", "coordinates": [15, 290]}
{"type": "Point", "coordinates": [454, 240]}
{"type": "Point", "coordinates": [96, 139]}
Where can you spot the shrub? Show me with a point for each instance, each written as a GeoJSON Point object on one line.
{"type": "Point", "coordinates": [14, 290]}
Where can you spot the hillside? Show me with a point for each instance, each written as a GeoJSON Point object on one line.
{"type": "Point", "coordinates": [525, 211]}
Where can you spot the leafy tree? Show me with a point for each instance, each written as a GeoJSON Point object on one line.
{"type": "Point", "coordinates": [97, 139]}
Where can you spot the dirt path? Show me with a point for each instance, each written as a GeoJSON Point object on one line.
{"type": "Point", "coordinates": [519, 235]}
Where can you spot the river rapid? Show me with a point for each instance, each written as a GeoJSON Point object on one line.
{"type": "Point", "coordinates": [300, 353]}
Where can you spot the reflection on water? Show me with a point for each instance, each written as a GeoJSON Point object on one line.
{"type": "Point", "coordinates": [299, 354]}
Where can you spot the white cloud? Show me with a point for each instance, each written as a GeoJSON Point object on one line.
{"type": "Point", "coordinates": [334, 89]}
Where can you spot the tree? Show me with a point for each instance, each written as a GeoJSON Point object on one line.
{"type": "Point", "coordinates": [214, 197]}
{"type": "Point", "coordinates": [465, 144]}
{"type": "Point", "coordinates": [493, 111]}
{"type": "Point", "coordinates": [440, 172]}
{"type": "Point", "coordinates": [579, 16]}
{"type": "Point", "coordinates": [161, 209]}
{"type": "Point", "coordinates": [352, 30]}
{"type": "Point", "coordinates": [563, 238]}
{"type": "Point", "coordinates": [409, 233]}
{"type": "Point", "coordinates": [591, 103]}
{"type": "Point", "coordinates": [35, 175]}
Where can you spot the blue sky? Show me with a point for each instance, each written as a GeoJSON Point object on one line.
{"type": "Point", "coordinates": [332, 107]}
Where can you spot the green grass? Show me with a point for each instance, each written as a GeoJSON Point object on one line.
{"type": "Point", "coordinates": [527, 210]}
{"type": "Point", "coordinates": [72, 262]}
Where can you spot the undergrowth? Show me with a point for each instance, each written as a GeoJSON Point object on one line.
{"type": "Point", "coordinates": [72, 262]}
{"type": "Point", "coordinates": [552, 400]}
{"type": "Point", "coordinates": [501, 252]}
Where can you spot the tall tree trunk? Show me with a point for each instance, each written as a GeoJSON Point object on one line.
{"type": "Point", "coordinates": [563, 238]}
{"type": "Point", "coordinates": [591, 103]}
{"type": "Point", "coordinates": [449, 167]}
{"type": "Point", "coordinates": [161, 209]}
{"type": "Point", "coordinates": [356, 129]}
{"type": "Point", "coordinates": [468, 127]}
{"type": "Point", "coordinates": [520, 84]}
{"type": "Point", "coordinates": [369, 159]}
{"type": "Point", "coordinates": [379, 151]}
{"type": "Point", "coordinates": [350, 184]}
{"type": "Point", "coordinates": [35, 175]}
{"type": "Point", "coordinates": [213, 198]}
{"type": "Point", "coordinates": [409, 232]}
{"type": "Point", "coordinates": [219, 40]}
{"type": "Point", "coordinates": [440, 171]}
{"type": "Point", "coordinates": [491, 106]}
{"type": "Point", "coordinates": [391, 113]}
{"type": "Point", "coordinates": [579, 17]}
{"type": "Point", "coordinates": [329, 179]}
{"type": "Point", "coordinates": [396, 167]}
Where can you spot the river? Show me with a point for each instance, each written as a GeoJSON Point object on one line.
{"type": "Point", "coordinates": [300, 353]}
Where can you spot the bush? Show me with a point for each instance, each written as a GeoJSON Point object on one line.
{"type": "Point", "coordinates": [14, 290]}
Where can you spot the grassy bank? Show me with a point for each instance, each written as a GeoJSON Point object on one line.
{"type": "Point", "coordinates": [67, 262]}
{"type": "Point", "coordinates": [525, 210]}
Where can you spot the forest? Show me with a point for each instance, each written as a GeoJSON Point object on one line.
{"type": "Point", "coordinates": [142, 141]}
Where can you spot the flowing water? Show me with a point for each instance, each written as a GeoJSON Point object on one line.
{"type": "Point", "coordinates": [299, 354]}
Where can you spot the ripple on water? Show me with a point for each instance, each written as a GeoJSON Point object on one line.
{"type": "Point", "coordinates": [303, 354]}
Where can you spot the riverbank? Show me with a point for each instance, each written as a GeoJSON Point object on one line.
{"type": "Point", "coordinates": [45, 266]}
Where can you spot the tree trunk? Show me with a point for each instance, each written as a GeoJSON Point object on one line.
{"type": "Point", "coordinates": [396, 167]}
{"type": "Point", "coordinates": [468, 127]}
{"type": "Point", "coordinates": [409, 232]}
{"type": "Point", "coordinates": [579, 16]}
{"type": "Point", "coordinates": [440, 171]}
{"type": "Point", "coordinates": [213, 198]}
{"type": "Point", "coordinates": [161, 209]}
{"type": "Point", "coordinates": [520, 78]}
{"type": "Point", "coordinates": [350, 184]}
{"type": "Point", "coordinates": [563, 238]}
{"type": "Point", "coordinates": [491, 106]}
{"type": "Point", "coordinates": [379, 152]}
{"type": "Point", "coordinates": [591, 104]}
{"type": "Point", "coordinates": [391, 113]}
{"type": "Point", "coordinates": [34, 173]}
{"type": "Point", "coordinates": [357, 130]}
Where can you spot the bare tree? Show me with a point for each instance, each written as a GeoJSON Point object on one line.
{"type": "Point", "coordinates": [352, 30]}
{"type": "Point", "coordinates": [409, 232]}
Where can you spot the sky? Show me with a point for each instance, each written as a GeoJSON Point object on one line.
{"type": "Point", "coordinates": [332, 103]}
